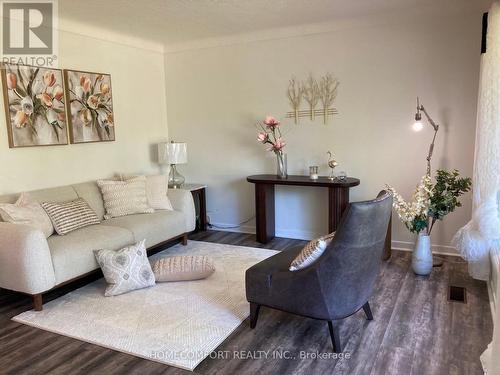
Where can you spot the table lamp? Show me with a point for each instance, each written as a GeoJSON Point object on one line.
{"type": "Point", "coordinates": [173, 153]}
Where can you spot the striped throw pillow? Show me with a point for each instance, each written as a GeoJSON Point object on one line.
{"type": "Point", "coordinates": [69, 216]}
{"type": "Point", "coordinates": [123, 198]}
{"type": "Point", "coordinates": [311, 252]}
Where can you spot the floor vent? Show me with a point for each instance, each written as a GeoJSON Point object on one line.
{"type": "Point", "coordinates": [457, 294]}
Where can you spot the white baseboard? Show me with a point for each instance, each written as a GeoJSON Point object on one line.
{"type": "Point", "coordinates": [286, 233]}
{"type": "Point", "coordinates": [309, 235]}
{"type": "Point", "coordinates": [436, 249]}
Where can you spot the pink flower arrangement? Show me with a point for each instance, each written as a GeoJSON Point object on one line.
{"type": "Point", "coordinates": [271, 122]}
{"type": "Point", "coordinates": [270, 133]}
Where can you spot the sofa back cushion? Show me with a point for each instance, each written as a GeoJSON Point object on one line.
{"type": "Point", "coordinates": [57, 194]}
{"type": "Point", "coordinates": [92, 195]}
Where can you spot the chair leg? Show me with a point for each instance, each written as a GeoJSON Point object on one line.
{"type": "Point", "coordinates": [37, 302]}
{"type": "Point", "coordinates": [185, 239]}
{"type": "Point", "coordinates": [254, 314]}
{"type": "Point", "coordinates": [334, 335]}
{"type": "Point", "coordinates": [368, 311]}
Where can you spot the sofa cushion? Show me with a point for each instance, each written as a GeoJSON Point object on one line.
{"type": "Point", "coordinates": [57, 194]}
{"type": "Point", "coordinates": [92, 195]}
{"type": "Point", "coordinates": [73, 254]}
{"type": "Point", "coordinates": [154, 228]}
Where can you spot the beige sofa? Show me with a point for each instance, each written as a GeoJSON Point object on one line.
{"type": "Point", "coordinates": [32, 264]}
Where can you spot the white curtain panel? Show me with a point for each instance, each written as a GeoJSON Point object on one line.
{"type": "Point", "coordinates": [482, 234]}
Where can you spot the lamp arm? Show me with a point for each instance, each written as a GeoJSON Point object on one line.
{"type": "Point", "coordinates": [431, 121]}
{"type": "Point", "coordinates": [421, 108]}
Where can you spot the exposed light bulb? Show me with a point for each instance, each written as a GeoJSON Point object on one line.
{"type": "Point", "coordinates": [417, 126]}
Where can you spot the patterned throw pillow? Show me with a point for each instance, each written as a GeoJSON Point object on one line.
{"type": "Point", "coordinates": [27, 211]}
{"type": "Point", "coordinates": [123, 198]}
{"type": "Point", "coordinates": [69, 216]}
{"type": "Point", "coordinates": [311, 252]}
{"type": "Point", "coordinates": [126, 269]}
{"type": "Point", "coordinates": [181, 268]}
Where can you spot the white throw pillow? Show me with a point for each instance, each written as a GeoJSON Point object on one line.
{"type": "Point", "coordinates": [156, 191]}
{"type": "Point", "coordinates": [29, 212]}
{"type": "Point", "coordinates": [123, 198]}
{"type": "Point", "coordinates": [126, 269]}
{"type": "Point", "coordinates": [311, 252]}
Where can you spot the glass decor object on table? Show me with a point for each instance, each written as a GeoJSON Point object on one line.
{"type": "Point", "coordinates": [281, 166]}
{"type": "Point", "coordinates": [313, 172]}
{"type": "Point", "coordinates": [173, 153]}
{"type": "Point", "coordinates": [342, 175]}
{"type": "Point", "coordinates": [332, 163]}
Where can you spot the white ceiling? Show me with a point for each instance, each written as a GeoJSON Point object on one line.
{"type": "Point", "coordinates": [174, 22]}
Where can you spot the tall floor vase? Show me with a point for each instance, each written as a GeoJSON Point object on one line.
{"type": "Point", "coordinates": [422, 255]}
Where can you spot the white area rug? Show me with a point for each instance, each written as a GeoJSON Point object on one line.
{"type": "Point", "coordinates": [178, 324]}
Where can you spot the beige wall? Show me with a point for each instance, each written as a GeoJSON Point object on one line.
{"type": "Point", "coordinates": [215, 95]}
{"type": "Point", "coordinates": [140, 116]}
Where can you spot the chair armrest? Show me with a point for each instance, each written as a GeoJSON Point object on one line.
{"type": "Point", "coordinates": [25, 259]}
{"type": "Point", "coordinates": [182, 200]}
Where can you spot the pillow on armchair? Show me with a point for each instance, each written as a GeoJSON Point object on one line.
{"type": "Point", "coordinates": [311, 252]}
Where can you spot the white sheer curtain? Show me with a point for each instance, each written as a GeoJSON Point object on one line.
{"type": "Point", "coordinates": [482, 234]}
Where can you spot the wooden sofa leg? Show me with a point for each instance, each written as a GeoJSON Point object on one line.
{"type": "Point", "coordinates": [38, 302]}
{"type": "Point", "coordinates": [185, 239]}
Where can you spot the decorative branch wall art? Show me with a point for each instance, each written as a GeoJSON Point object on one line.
{"type": "Point", "coordinates": [313, 93]}
{"type": "Point", "coordinates": [34, 106]}
{"type": "Point", "coordinates": [90, 106]}
{"type": "Point", "coordinates": [295, 92]}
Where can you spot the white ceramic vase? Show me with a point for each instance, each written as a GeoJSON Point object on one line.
{"type": "Point", "coordinates": [422, 256]}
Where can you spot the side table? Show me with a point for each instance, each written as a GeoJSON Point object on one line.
{"type": "Point", "coordinates": [199, 196]}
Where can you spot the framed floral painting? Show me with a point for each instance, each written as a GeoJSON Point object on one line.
{"type": "Point", "coordinates": [34, 105]}
{"type": "Point", "coordinates": [90, 106]}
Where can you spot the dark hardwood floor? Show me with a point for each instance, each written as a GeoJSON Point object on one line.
{"type": "Point", "coordinates": [416, 331]}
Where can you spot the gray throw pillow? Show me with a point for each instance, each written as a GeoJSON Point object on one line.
{"type": "Point", "coordinates": [126, 269]}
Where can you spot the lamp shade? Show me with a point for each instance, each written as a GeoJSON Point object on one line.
{"type": "Point", "coordinates": [172, 153]}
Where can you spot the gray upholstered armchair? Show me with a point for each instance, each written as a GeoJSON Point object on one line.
{"type": "Point", "coordinates": [339, 283]}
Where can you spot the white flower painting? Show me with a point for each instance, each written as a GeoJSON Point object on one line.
{"type": "Point", "coordinates": [34, 105]}
{"type": "Point", "coordinates": [90, 105]}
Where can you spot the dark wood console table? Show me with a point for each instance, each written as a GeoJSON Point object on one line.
{"type": "Point", "coordinates": [338, 199]}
